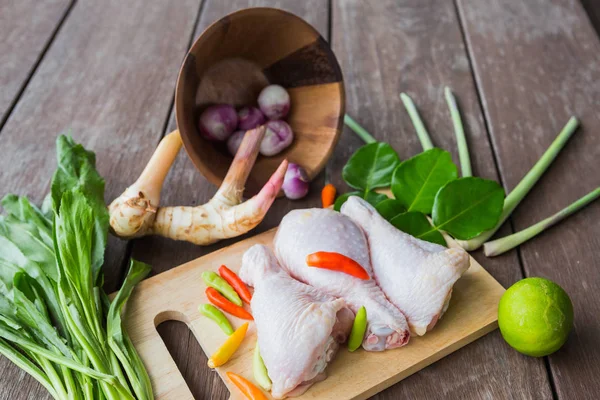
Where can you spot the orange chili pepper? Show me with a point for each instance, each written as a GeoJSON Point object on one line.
{"type": "Point", "coordinates": [336, 262]}
{"type": "Point", "coordinates": [218, 300]}
{"type": "Point", "coordinates": [246, 387]}
{"type": "Point", "coordinates": [328, 195]}
{"type": "Point", "coordinates": [236, 283]}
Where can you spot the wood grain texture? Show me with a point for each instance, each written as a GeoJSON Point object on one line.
{"type": "Point", "coordinates": [387, 47]}
{"type": "Point", "coordinates": [534, 71]}
{"type": "Point", "coordinates": [26, 28]}
{"type": "Point", "coordinates": [472, 313]}
{"type": "Point", "coordinates": [186, 186]}
{"type": "Point", "coordinates": [108, 78]}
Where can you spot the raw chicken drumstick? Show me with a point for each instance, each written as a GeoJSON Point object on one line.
{"type": "Point", "coordinates": [299, 328]}
{"type": "Point", "coordinates": [417, 276]}
{"type": "Point", "coordinates": [303, 232]}
{"type": "Point", "coordinates": [136, 213]}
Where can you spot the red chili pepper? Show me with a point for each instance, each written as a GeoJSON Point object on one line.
{"type": "Point", "coordinates": [218, 300]}
{"type": "Point", "coordinates": [328, 195]}
{"type": "Point", "coordinates": [235, 282]}
{"type": "Point", "coordinates": [336, 262]}
{"type": "Point", "coordinates": [250, 391]}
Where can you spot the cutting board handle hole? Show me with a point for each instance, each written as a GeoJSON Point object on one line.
{"type": "Point", "coordinates": [188, 356]}
{"type": "Point", "coordinates": [170, 315]}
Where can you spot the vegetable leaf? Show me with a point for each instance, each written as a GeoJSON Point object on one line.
{"type": "Point", "coordinates": [416, 224]}
{"type": "Point", "coordinates": [468, 206]}
{"type": "Point", "coordinates": [389, 208]}
{"type": "Point", "coordinates": [417, 180]}
{"type": "Point", "coordinates": [77, 171]}
{"type": "Point", "coordinates": [371, 197]}
{"type": "Point", "coordinates": [118, 339]}
{"type": "Point", "coordinates": [371, 167]}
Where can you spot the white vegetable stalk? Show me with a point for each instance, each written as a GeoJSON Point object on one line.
{"type": "Point", "coordinates": [136, 213]}
{"type": "Point", "coordinates": [520, 191]}
{"type": "Point", "coordinates": [459, 131]}
{"type": "Point", "coordinates": [502, 245]}
{"type": "Point", "coordinates": [417, 122]}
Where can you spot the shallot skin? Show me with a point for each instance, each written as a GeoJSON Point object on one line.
{"type": "Point", "coordinates": [250, 118]}
{"type": "Point", "coordinates": [296, 182]}
{"type": "Point", "coordinates": [278, 137]}
{"type": "Point", "coordinates": [274, 102]}
{"type": "Point", "coordinates": [218, 122]}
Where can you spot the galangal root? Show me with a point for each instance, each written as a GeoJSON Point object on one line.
{"type": "Point", "coordinates": [136, 212]}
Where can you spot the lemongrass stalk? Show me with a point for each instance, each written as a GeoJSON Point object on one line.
{"type": "Point", "coordinates": [359, 130]}
{"type": "Point", "coordinates": [499, 246]}
{"type": "Point", "coordinates": [416, 121]}
{"type": "Point", "coordinates": [459, 131]}
{"type": "Point", "coordinates": [520, 191]}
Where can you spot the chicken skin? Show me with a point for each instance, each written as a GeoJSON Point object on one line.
{"type": "Point", "coordinates": [299, 328]}
{"type": "Point", "coordinates": [303, 232]}
{"type": "Point", "coordinates": [417, 276]}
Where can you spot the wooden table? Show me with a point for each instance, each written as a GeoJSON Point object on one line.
{"type": "Point", "coordinates": [106, 71]}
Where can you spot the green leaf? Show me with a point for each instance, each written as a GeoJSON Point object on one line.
{"type": "Point", "coordinates": [389, 208]}
{"type": "Point", "coordinates": [371, 167]}
{"type": "Point", "coordinates": [468, 206]}
{"type": "Point", "coordinates": [371, 197]}
{"type": "Point", "coordinates": [77, 171]}
{"type": "Point", "coordinates": [117, 336]}
{"type": "Point", "coordinates": [74, 241]}
{"type": "Point", "coordinates": [416, 224]}
{"type": "Point", "coordinates": [417, 180]}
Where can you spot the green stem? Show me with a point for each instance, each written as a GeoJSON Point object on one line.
{"type": "Point", "coordinates": [499, 246]}
{"type": "Point", "coordinates": [417, 122]}
{"type": "Point", "coordinates": [359, 130]}
{"type": "Point", "coordinates": [520, 191]}
{"type": "Point", "coordinates": [57, 383]}
{"type": "Point", "coordinates": [25, 364]}
{"type": "Point", "coordinates": [459, 131]}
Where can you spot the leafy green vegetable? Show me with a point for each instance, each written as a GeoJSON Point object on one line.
{"type": "Point", "coordinates": [468, 206]}
{"type": "Point", "coordinates": [416, 224]}
{"type": "Point", "coordinates": [417, 180]}
{"type": "Point", "coordinates": [77, 171]}
{"type": "Point", "coordinates": [119, 341]}
{"type": "Point", "coordinates": [371, 197]}
{"type": "Point", "coordinates": [52, 307]}
{"type": "Point", "coordinates": [389, 208]}
{"type": "Point", "coordinates": [371, 167]}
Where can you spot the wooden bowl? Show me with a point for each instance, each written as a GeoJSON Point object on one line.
{"type": "Point", "coordinates": [233, 60]}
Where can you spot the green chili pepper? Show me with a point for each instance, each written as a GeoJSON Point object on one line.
{"type": "Point", "coordinates": [359, 327]}
{"type": "Point", "coordinates": [213, 280]}
{"type": "Point", "coordinates": [260, 370]}
{"type": "Point", "coordinates": [212, 312]}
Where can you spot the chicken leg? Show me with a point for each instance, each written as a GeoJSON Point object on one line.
{"type": "Point", "coordinates": [417, 276]}
{"type": "Point", "coordinates": [299, 328]}
{"type": "Point", "coordinates": [303, 232]}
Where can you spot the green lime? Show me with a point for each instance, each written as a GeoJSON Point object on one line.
{"type": "Point", "coordinates": [535, 316]}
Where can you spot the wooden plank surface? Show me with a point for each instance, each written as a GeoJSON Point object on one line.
{"type": "Point", "coordinates": [26, 29]}
{"type": "Point", "coordinates": [535, 70]}
{"type": "Point", "coordinates": [186, 186]}
{"type": "Point", "coordinates": [387, 47]}
{"type": "Point", "coordinates": [108, 77]}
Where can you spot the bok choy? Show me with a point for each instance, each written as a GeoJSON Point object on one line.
{"type": "Point", "coordinates": [56, 322]}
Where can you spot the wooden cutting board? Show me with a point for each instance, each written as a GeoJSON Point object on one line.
{"type": "Point", "coordinates": [176, 294]}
